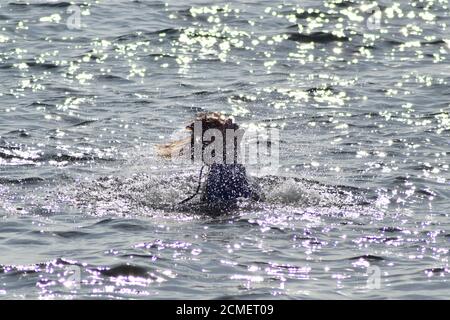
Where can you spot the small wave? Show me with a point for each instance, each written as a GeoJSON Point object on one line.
{"type": "Point", "coordinates": [188, 13]}
{"type": "Point", "coordinates": [127, 37]}
{"type": "Point", "coordinates": [168, 31]}
{"type": "Point", "coordinates": [203, 93]}
{"type": "Point", "coordinates": [317, 37]}
{"type": "Point", "coordinates": [6, 66]}
{"type": "Point", "coordinates": [50, 4]}
{"type": "Point", "coordinates": [162, 55]}
{"type": "Point", "coordinates": [4, 155]}
{"type": "Point", "coordinates": [21, 133]}
{"type": "Point", "coordinates": [128, 226]}
{"type": "Point", "coordinates": [152, 4]}
{"type": "Point", "coordinates": [343, 3]}
{"type": "Point", "coordinates": [125, 270]}
{"type": "Point", "coordinates": [143, 194]}
{"type": "Point", "coordinates": [391, 229]}
{"type": "Point", "coordinates": [84, 123]}
{"type": "Point", "coordinates": [438, 41]}
{"type": "Point", "coordinates": [57, 270]}
{"type": "Point", "coordinates": [110, 77]}
{"type": "Point", "coordinates": [143, 35]}
{"type": "Point", "coordinates": [292, 190]}
{"type": "Point", "coordinates": [34, 156]}
{"type": "Point", "coordinates": [368, 257]}
{"type": "Point", "coordinates": [441, 270]}
{"type": "Point", "coordinates": [44, 66]}
{"type": "Point", "coordinates": [28, 180]}
{"type": "Point", "coordinates": [71, 234]}
{"type": "Point", "coordinates": [74, 158]}
{"type": "Point", "coordinates": [312, 14]}
{"type": "Point", "coordinates": [321, 90]}
{"type": "Point", "coordinates": [394, 42]}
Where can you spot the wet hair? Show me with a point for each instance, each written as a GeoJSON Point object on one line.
{"type": "Point", "coordinates": [213, 120]}
{"type": "Point", "coordinates": [209, 120]}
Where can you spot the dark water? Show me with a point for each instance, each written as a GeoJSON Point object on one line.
{"type": "Point", "coordinates": [363, 110]}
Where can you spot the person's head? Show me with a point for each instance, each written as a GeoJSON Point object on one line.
{"type": "Point", "coordinates": [213, 120]}
{"type": "Point", "coordinates": [201, 128]}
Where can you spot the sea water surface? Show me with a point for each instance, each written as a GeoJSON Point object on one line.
{"type": "Point", "coordinates": [358, 209]}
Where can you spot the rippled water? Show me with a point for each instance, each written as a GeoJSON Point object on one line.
{"type": "Point", "coordinates": [363, 106]}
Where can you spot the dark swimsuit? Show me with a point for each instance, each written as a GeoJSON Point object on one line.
{"type": "Point", "coordinates": [226, 183]}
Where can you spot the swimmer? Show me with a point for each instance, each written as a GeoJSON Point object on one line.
{"type": "Point", "coordinates": [226, 180]}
